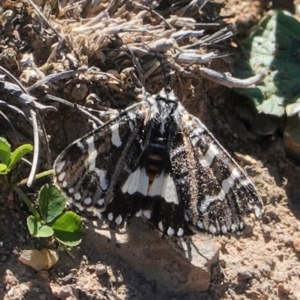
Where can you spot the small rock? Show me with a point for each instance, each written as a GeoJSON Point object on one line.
{"type": "Point", "coordinates": [296, 243]}
{"type": "Point", "coordinates": [70, 278]}
{"type": "Point", "coordinates": [91, 268]}
{"type": "Point", "coordinates": [248, 229]}
{"type": "Point", "coordinates": [65, 293]}
{"type": "Point", "coordinates": [74, 271]}
{"type": "Point", "coordinates": [266, 230]}
{"type": "Point", "coordinates": [244, 274]}
{"type": "Point", "coordinates": [283, 288]}
{"type": "Point", "coordinates": [39, 260]}
{"type": "Point", "coordinates": [280, 278]}
{"type": "Point", "coordinates": [100, 270]}
{"type": "Point", "coordinates": [50, 258]}
{"type": "Point", "coordinates": [286, 240]}
{"type": "Point", "coordinates": [273, 216]}
{"type": "Point", "coordinates": [84, 259]}
{"type": "Point", "coordinates": [265, 270]}
{"type": "Point", "coordinates": [15, 293]}
{"type": "Point", "coordinates": [10, 278]}
{"type": "Point", "coordinates": [279, 255]}
{"type": "Point", "coordinates": [24, 287]}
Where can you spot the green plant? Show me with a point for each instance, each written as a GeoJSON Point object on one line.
{"type": "Point", "coordinates": [66, 226]}
{"type": "Point", "coordinates": [51, 220]}
{"type": "Point", "coordinates": [9, 159]}
{"type": "Point", "coordinates": [273, 47]}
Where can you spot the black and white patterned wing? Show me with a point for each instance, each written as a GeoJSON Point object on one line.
{"type": "Point", "coordinates": [212, 188]}
{"type": "Point", "coordinates": [89, 170]}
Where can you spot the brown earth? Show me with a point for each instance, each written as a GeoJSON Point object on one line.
{"type": "Point", "coordinates": [263, 263]}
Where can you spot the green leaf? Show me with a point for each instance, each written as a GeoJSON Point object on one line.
{"type": "Point", "coordinates": [68, 229]}
{"type": "Point", "coordinates": [5, 151]}
{"type": "Point", "coordinates": [17, 155]}
{"type": "Point", "coordinates": [273, 47]}
{"type": "Point", "coordinates": [3, 169]}
{"type": "Point", "coordinates": [37, 229]}
{"type": "Point", "coordinates": [45, 231]}
{"type": "Point", "coordinates": [52, 202]}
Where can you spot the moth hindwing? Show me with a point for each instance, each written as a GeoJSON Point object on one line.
{"type": "Point", "coordinates": [157, 161]}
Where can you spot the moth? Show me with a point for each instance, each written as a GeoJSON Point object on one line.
{"type": "Point", "coordinates": [157, 161]}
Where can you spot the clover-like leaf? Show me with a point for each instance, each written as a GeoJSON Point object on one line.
{"type": "Point", "coordinates": [37, 229]}
{"type": "Point", "coordinates": [52, 202]}
{"type": "Point", "coordinates": [273, 47]}
{"type": "Point", "coordinates": [68, 228]}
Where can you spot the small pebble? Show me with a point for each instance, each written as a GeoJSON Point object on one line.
{"type": "Point", "coordinates": [91, 268]}
{"type": "Point", "coordinates": [266, 230]}
{"type": "Point", "coordinates": [244, 274]}
{"type": "Point", "coordinates": [296, 243]}
{"type": "Point", "coordinates": [70, 278]}
{"type": "Point", "coordinates": [283, 288]}
{"type": "Point", "coordinates": [101, 270]}
{"type": "Point", "coordinates": [74, 271]}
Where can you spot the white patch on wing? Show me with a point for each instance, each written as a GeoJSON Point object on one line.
{"type": "Point", "coordinates": [132, 116]}
{"type": "Point", "coordinates": [59, 166]}
{"type": "Point", "coordinates": [147, 213]}
{"type": "Point", "coordinates": [90, 161]}
{"type": "Point", "coordinates": [224, 229]}
{"type": "Point", "coordinates": [161, 226]}
{"type": "Point", "coordinates": [61, 176]}
{"type": "Point", "coordinates": [233, 227]}
{"type": "Point", "coordinates": [115, 135]}
{"type": "Point", "coordinates": [80, 145]}
{"type": "Point", "coordinates": [227, 184]}
{"type": "Point", "coordinates": [102, 177]}
{"type": "Point", "coordinates": [195, 135]}
{"type": "Point", "coordinates": [180, 232]}
{"type": "Point", "coordinates": [164, 186]}
{"type": "Point", "coordinates": [77, 196]}
{"type": "Point", "coordinates": [87, 201]}
{"type": "Point", "coordinates": [118, 219]}
{"type": "Point", "coordinates": [212, 229]}
{"type": "Point", "coordinates": [137, 181]}
{"type": "Point", "coordinates": [170, 231]}
{"type": "Point", "coordinates": [110, 216]}
{"type": "Point", "coordinates": [64, 184]}
{"type": "Point", "coordinates": [131, 125]}
{"type": "Point", "coordinates": [100, 201]}
{"type": "Point", "coordinates": [139, 213]}
{"type": "Point", "coordinates": [200, 225]}
{"type": "Point", "coordinates": [209, 156]}
{"type": "Point", "coordinates": [257, 211]}
{"type": "Point", "coordinates": [80, 207]}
